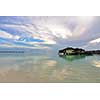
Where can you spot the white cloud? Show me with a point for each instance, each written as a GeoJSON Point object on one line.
{"type": "Point", "coordinates": [4, 34]}
{"type": "Point", "coordinates": [93, 44]}
{"type": "Point", "coordinates": [95, 41]}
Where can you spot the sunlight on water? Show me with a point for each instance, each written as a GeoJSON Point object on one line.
{"type": "Point", "coordinates": [43, 68]}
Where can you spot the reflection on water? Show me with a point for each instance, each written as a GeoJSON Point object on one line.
{"type": "Point", "coordinates": [96, 63]}
{"type": "Point", "coordinates": [73, 57]}
{"type": "Point", "coordinates": [43, 68]}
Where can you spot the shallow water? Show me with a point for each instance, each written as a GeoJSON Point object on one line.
{"type": "Point", "coordinates": [44, 68]}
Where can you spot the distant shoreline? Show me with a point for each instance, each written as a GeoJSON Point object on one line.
{"type": "Point", "coordinates": [12, 52]}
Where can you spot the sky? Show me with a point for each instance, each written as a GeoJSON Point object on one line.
{"type": "Point", "coordinates": [50, 32]}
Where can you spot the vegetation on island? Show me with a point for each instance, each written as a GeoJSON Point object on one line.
{"type": "Point", "coordinates": [76, 51]}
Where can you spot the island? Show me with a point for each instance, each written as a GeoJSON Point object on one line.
{"type": "Point", "coordinates": [77, 51]}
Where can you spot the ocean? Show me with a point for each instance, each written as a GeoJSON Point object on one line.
{"type": "Point", "coordinates": [33, 68]}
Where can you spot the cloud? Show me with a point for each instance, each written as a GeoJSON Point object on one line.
{"type": "Point", "coordinates": [41, 32]}
{"type": "Point", "coordinates": [93, 44]}
{"type": "Point", "coordinates": [4, 34]}
{"type": "Point", "coordinates": [95, 41]}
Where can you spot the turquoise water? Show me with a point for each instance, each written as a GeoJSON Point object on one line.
{"type": "Point", "coordinates": [44, 68]}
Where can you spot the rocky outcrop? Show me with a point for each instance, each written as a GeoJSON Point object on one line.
{"type": "Point", "coordinates": [76, 51]}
